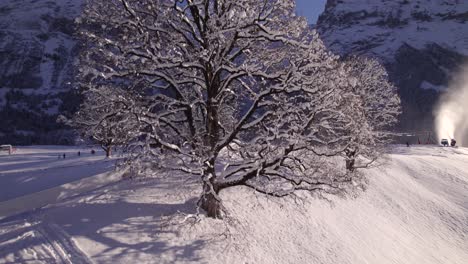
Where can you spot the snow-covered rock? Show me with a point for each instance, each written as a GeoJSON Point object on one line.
{"type": "Point", "coordinates": [36, 54]}
{"type": "Point", "coordinates": [421, 42]}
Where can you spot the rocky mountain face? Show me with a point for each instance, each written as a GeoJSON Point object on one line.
{"type": "Point", "coordinates": [421, 42]}
{"type": "Point", "coordinates": [37, 51]}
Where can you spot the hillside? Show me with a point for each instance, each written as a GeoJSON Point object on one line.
{"type": "Point", "coordinates": [37, 50]}
{"type": "Point", "coordinates": [415, 210]}
{"type": "Point", "coordinates": [422, 44]}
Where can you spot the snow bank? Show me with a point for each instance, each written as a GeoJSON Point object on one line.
{"type": "Point", "coordinates": [414, 211]}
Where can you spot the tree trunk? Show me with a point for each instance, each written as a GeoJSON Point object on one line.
{"type": "Point", "coordinates": [212, 124]}
{"type": "Point", "coordinates": [350, 164]}
{"type": "Point", "coordinates": [108, 152]}
{"type": "Point", "coordinates": [212, 106]}
{"type": "Point", "coordinates": [211, 205]}
{"type": "Point", "coordinates": [350, 160]}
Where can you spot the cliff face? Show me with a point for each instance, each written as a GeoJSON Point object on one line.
{"type": "Point", "coordinates": [422, 43]}
{"type": "Point", "coordinates": [36, 57]}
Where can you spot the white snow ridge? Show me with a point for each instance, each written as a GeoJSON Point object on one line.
{"type": "Point", "coordinates": [415, 210]}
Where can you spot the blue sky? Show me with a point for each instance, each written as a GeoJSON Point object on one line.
{"type": "Point", "coordinates": [310, 9]}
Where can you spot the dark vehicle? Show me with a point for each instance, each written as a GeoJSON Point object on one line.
{"type": "Point", "coordinates": [444, 142]}
{"type": "Point", "coordinates": [453, 143]}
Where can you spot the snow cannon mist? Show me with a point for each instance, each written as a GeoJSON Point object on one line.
{"type": "Point", "coordinates": [451, 115]}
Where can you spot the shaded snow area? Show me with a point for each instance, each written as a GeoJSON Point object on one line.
{"type": "Point", "coordinates": [414, 211]}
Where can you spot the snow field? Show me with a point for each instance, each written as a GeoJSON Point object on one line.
{"type": "Point", "coordinates": [36, 176]}
{"type": "Point", "coordinates": [415, 210]}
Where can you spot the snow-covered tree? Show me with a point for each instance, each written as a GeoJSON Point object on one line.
{"type": "Point", "coordinates": [105, 118]}
{"type": "Point", "coordinates": [375, 107]}
{"type": "Point", "coordinates": [240, 92]}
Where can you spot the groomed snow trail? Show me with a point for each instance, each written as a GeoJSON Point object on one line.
{"type": "Point", "coordinates": [414, 211]}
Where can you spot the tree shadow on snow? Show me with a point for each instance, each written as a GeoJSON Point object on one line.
{"type": "Point", "coordinates": [128, 229]}
{"type": "Point", "coordinates": [137, 231]}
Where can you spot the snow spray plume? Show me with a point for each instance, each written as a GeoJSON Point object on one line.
{"type": "Point", "coordinates": [451, 115]}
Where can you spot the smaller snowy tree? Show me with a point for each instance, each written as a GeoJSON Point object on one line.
{"type": "Point", "coordinates": [104, 118]}
{"type": "Point", "coordinates": [375, 107]}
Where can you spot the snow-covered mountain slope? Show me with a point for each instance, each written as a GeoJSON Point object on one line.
{"type": "Point", "coordinates": [414, 211]}
{"type": "Point", "coordinates": [421, 42]}
{"type": "Point", "coordinates": [36, 55]}
{"type": "Point", "coordinates": [382, 27]}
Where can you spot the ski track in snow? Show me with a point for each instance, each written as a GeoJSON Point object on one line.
{"type": "Point", "coordinates": [41, 241]}
{"type": "Point", "coordinates": [414, 211]}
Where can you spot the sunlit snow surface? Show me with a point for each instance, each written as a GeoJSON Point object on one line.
{"type": "Point", "coordinates": [35, 169]}
{"type": "Point", "coordinates": [414, 211]}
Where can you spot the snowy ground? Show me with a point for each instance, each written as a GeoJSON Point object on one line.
{"type": "Point", "coordinates": [414, 211]}
{"type": "Point", "coordinates": [37, 176]}
{"type": "Point", "coordinates": [35, 169]}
